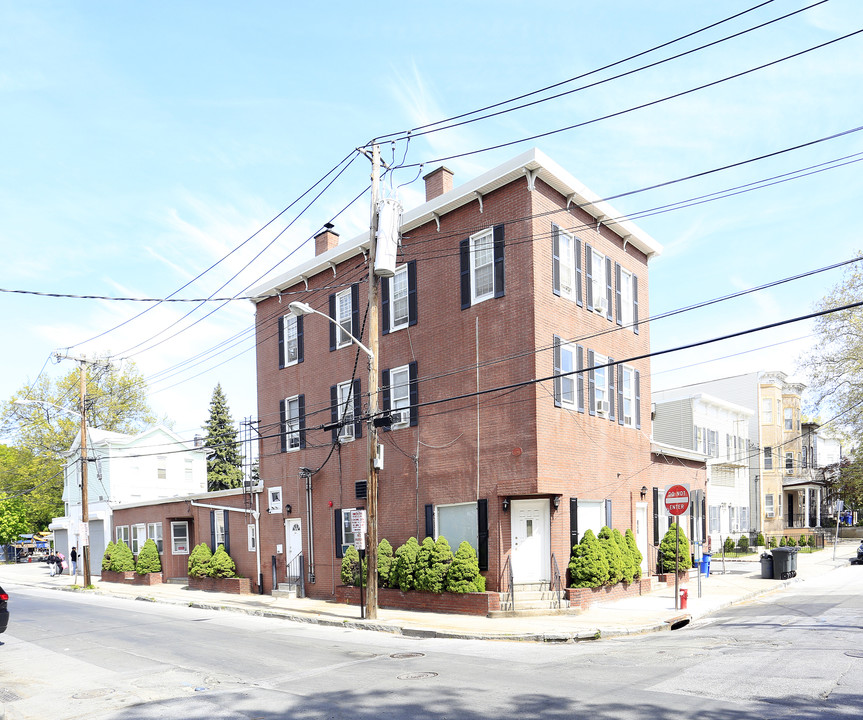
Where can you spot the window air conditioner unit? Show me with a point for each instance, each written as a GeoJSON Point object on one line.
{"type": "Point", "coordinates": [602, 304]}
{"type": "Point", "coordinates": [400, 417]}
{"type": "Point", "coordinates": [627, 420]}
{"type": "Point", "coordinates": [602, 406]}
{"type": "Point", "coordinates": [769, 513]}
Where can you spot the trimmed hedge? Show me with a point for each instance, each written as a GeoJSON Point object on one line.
{"type": "Point", "coordinates": [667, 555]}
{"type": "Point", "coordinates": [106, 557]}
{"type": "Point", "coordinates": [122, 559]}
{"type": "Point", "coordinates": [148, 559]}
{"type": "Point", "coordinates": [588, 565]}
{"type": "Point", "coordinates": [199, 561]}
{"type": "Point", "coordinates": [221, 565]}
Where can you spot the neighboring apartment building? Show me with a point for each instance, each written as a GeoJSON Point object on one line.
{"type": "Point", "coordinates": [519, 292]}
{"type": "Point", "coordinates": [820, 458]}
{"type": "Point", "coordinates": [780, 489]}
{"type": "Point", "coordinates": [124, 469]}
{"type": "Point", "coordinates": [719, 430]}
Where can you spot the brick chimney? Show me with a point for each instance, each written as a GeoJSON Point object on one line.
{"type": "Point", "coordinates": [326, 239]}
{"type": "Point", "coordinates": [438, 182]}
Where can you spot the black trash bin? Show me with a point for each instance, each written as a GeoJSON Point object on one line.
{"type": "Point", "coordinates": [784, 563]}
{"type": "Point", "coordinates": [767, 566]}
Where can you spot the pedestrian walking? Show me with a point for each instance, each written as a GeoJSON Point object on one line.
{"type": "Point", "coordinates": [52, 565]}
{"type": "Point", "coordinates": [73, 558]}
{"type": "Point", "coordinates": [61, 563]}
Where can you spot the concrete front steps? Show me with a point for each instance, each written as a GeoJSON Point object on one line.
{"type": "Point", "coordinates": [532, 599]}
{"type": "Point", "coordinates": [286, 590]}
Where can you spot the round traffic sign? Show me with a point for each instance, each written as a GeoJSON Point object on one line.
{"type": "Point", "coordinates": [677, 499]}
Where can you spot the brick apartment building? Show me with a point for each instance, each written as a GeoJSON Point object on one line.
{"type": "Point", "coordinates": [517, 276]}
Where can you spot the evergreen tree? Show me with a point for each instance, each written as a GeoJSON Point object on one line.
{"type": "Point", "coordinates": [463, 574]}
{"type": "Point", "coordinates": [225, 461]}
{"type": "Point", "coordinates": [106, 557]}
{"type": "Point", "coordinates": [385, 562]}
{"type": "Point", "coordinates": [628, 560]}
{"type": "Point", "coordinates": [351, 567]}
{"type": "Point", "coordinates": [612, 554]}
{"type": "Point", "coordinates": [588, 566]}
{"type": "Point", "coordinates": [148, 559]}
{"type": "Point", "coordinates": [122, 559]}
{"type": "Point", "coordinates": [637, 557]}
{"type": "Point", "coordinates": [221, 565]}
{"type": "Point", "coordinates": [422, 575]}
{"type": "Point", "coordinates": [666, 551]}
{"type": "Point", "coordinates": [404, 567]}
{"type": "Point", "coordinates": [199, 560]}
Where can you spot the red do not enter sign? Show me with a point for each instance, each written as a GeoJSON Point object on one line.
{"type": "Point", "coordinates": [677, 499]}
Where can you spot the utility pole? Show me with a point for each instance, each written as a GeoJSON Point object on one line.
{"type": "Point", "coordinates": [372, 484]}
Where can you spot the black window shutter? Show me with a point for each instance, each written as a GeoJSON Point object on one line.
{"type": "Point", "coordinates": [573, 522]}
{"type": "Point", "coordinates": [692, 518]}
{"type": "Point", "coordinates": [283, 426]}
{"type": "Point", "coordinates": [464, 259]}
{"type": "Point", "coordinates": [609, 522]}
{"type": "Point", "coordinates": [637, 400]}
{"type": "Point", "coordinates": [609, 290]}
{"type": "Point", "coordinates": [385, 306]}
{"type": "Point", "coordinates": [618, 294]}
{"type": "Point", "coordinates": [300, 338]}
{"type": "Point", "coordinates": [556, 372]}
{"type": "Point", "coordinates": [282, 341]}
{"type": "Point", "coordinates": [414, 394]}
{"type": "Point", "coordinates": [386, 401]}
{"type": "Point", "coordinates": [588, 274]}
{"type": "Point", "coordinates": [355, 311]}
{"type": "Point", "coordinates": [555, 260]}
{"type": "Point", "coordinates": [413, 309]}
{"type": "Point", "coordinates": [609, 373]}
{"type": "Point", "coordinates": [430, 520]}
{"type": "Point", "coordinates": [620, 394]}
{"type": "Point", "coordinates": [301, 403]}
{"type": "Point", "coordinates": [499, 276]}
{"type": "Point", "coordinates": [226, 520]}
{"type": "Point", "coordinates": [635, 304]}
{"type": "Point", "coordinates": [591, 385]}
{"type": "Point", "coordinates": [579, 378]}
{"type": "Point", "coordinates": [703, 516]}
{"type": "Point", "coordinates": [334, 410]}
{"type": "Point", "coordinates": [358, 410]}
{"type": "Point", "coordinates": [338, 526]}
{"type": "Point", "coordinates": [333, 324]}
{"type": "Point", "coordinates": [213, 529]}
{"type": "Point", "coordinates": [482, 532]}
{"type": "Point", "coordinates": [579, 300]}
{"type": "Point", "coordinates": [656, 537]}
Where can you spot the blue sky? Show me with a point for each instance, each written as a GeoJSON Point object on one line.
{"type": "Point", "coordinates": [143, 142]}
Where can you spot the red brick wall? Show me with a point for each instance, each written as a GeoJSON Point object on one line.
{"type": "Point", "coordinates": [461, 604]}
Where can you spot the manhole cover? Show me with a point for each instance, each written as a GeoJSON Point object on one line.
{"type": "Point", "coordinates": [8, 695]}
{"type": "Point", "coordinates": [406, 655]}
{"type": "Point", "coordinates": [854, 653]}
{"type": "Point", "coordinates": [417, 676]}
{"type": "Point", "coordinates": [91, 694]}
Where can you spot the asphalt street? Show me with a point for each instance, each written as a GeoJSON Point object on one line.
{"type": "Point", "coordinates": [794, 653]}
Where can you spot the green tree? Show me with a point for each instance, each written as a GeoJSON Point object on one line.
{"type": "Point", "coordinates": [629, 568]}
{"type": "Point", "coordinates": [351, 567]}
{"type": "Point", "coordinates": [423, 566]}
{"type": "Point", "coordinates": [588, 565]}
{"type": "Point", "coordinates": [122, 559]}
{"type": "Point", "coordinates": [199, 560]}
{"type": "Point", "coordinates": [667, 547]}
{"type": "Point", "coordinates": [637, 557]}
{"type": "Point", "coordinates": [612, 554]}
{"type": "Point", "coordinates": [148, 559]}
{"type": "Point", "coordinates": [13, 520]}
{"type": "Point", "coordinates": [405, 565]}
{"type": "Point", "coordinates": [221, 565]}
{"type": "Point", "coordinates": [432, 568]}
{"type": "Point", "coordinates": [385, 562]}
{"type": "Point", "coordinates": [106, 556]}
{"type": "Point", "coordinates": [463, 575]}
{"type": "Point", "coordinates": [225, 461]}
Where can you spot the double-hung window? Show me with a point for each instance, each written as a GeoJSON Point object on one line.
{"type": "Point", "coordinates": [180, 537]}
{"type": "Point", "coordinates": [768, 458]}
{"type": "Point", "coordinates": [713, 523]}
{"type": "Point", "coordinates": [566, 381]}
{"type": "Point", "coordinates": [139, 537]}
{"type": "Point", "coordinates": [481, 258]}
{"type": "Point", "coordinates": [346, 411]}
{"type": "Point", "coordinates": [566, 264]}
{"type": "Point", "coordinates": [769, 508]}
{"type": "Point", "coordinates": [400, 398]}
{"type": "Point", "coordinates": [218, 528]}
{"type": "Point", "coordinates": [399, 314]}
{"type": "Point", "coordinates": [154, 533]}
{"type": "Point", "coordinates": [344, 308]}
{"type": "Point", "coordinates": [600, 384]}
{"type": "Point", "coordinates": [627, 298]}
{"type": "Point", "coordinates": [789, 463]}
{"type": "Point", "coordinates": [789, 418]}
{"type": "Point", "coordinates": [344, 314]}
{"type": "Point", "coordinates": [399, 298]}
{"type": "Point", "coordinates": [767, 411]}
{"type": "Point", "coordinates": [121, 532]}
{"type": "Point", "coordinates": [598, 281]}
{"type": "Point", "coordinates": [292, 423]}
{"type": "Point", "coordinates": [627, 396]}
{"type": "Point", "coordinates": [345, 536]}
{"type": "Point", "coordinates": [162, 467]}
{"type": "Point", "coordinates": [290, 340]}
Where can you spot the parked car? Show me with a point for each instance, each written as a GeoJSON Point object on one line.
{"type": "Point", "coordinates": [4, 611]}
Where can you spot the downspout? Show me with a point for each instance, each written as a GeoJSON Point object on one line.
{"type": "Point", "coordinates": [258, 543]}
{"type": "Point", "coordinates": [310, 528]}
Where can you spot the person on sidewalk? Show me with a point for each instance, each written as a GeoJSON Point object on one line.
{"type": "Point", "coordinates": [73, 558]}
{"type": "Point", "coordinates": [52, 567]}
{"type": "Point", "coordinates": [61, 563]}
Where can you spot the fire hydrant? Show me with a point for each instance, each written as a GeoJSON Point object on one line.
{"type": "Point", "coordinates": [684, 597]}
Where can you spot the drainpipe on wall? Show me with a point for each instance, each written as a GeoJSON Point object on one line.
{"type": "Point", "coordinates": [258, 544]}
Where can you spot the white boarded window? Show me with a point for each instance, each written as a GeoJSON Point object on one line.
{"type": "Point", "coordinates": [458, 523]}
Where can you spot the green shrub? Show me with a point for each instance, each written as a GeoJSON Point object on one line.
{"type": "Point", "coordinates": [106, 557]}
{"type": "Point", "coordinates": [773, 541]}
{"type": "Point", "coordinates": [666, 551]}
{"type": "Point", "coordinates": [351, 567]}
{"type": "Point", "coordinates": [199, 561]}
{"type": "Point", "coordinates": [612, 554]}
{"type": "Point", "coordinates": [728, 545]}
{"type": "Point", "coordinates": [122, 559]}
{"type": "Point", "coordinates": [148, 559]}
{"type": "Point", "coordinates": [811, 542]}
{"type": "Point", "coordinates": [463, 575]}
{"type": "Point", "coordinates": [422, 574]}
{"type": "Point", "coordinates": [588, 565]}
{"type": "Point", "coordinates": [634, 552]}
{"type": "Point", "coordinates": [221, 565]}
{"type": "Point", "coordinates": [759, 540]}
{"type": "Point", "coordinates": [743, 543]}
{"type": "Point", "coordinates": [628, 561]}
{"type": "Point", "coordinates": [441, 560]}
{"type": "Point", "coordinates": [385, 562]}
{"type": "Point", "coordinates": [791, 542]}
{"type": "Point", "coordinates": [783, 541]}
{"type": "Point", "coordinates": [404, 566]}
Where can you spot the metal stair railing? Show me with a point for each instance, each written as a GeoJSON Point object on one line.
{"type": "Point", "coordinates": [295, 572]}
{"type": "Point", "coordinates": [507, 584]}
{"type": "Point", "coordinates": [555, 583]}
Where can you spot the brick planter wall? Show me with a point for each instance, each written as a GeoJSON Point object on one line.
{"type": "Point", "coordinates": [127, 576]}
{"type": "Point", "coordinates": [668, 578]}
{"type": "Point", "coordinates": [456, 603]}
{"type": "Point", "coordinates": [154, 578]}
{"type": "Point", "coordinates": [585, 597]}
{"type": "Point", "coordinates": [237, 586]}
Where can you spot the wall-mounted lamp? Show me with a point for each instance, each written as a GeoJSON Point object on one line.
{"type": "Point", "coordinates": [506, 504]}
{"type": "Point", "coordinates": [643, 491]}
{"type": "Point", "coordinates": [556, 501]}
{"type": "Point", "coordinates": [288, 508]}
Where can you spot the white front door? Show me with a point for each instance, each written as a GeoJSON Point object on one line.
{"type": "Point", "coordinates": [530, 540]}
{"type": "Point", "coordinates": [641, 534]}
{"type": "Point", "coordinates": [293, 545]}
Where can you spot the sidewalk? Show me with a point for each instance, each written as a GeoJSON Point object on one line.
{"type": "Point", "coordinates": [648, 613]}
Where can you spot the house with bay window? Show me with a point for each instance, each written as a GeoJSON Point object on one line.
{"type": "Point", "coordinates": [514, 387]}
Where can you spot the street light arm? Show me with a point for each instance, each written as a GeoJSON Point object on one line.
{"type": "Point", "coordinates": [300, 308]}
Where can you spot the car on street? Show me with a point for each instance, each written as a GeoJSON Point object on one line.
{"type": "Point", "coordinates": [4, 610]}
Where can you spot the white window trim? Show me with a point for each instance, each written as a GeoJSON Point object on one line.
{"type": "Point", "coordinates": [154, 533]}
{"type": "Point", "coordinates": [769, 506]}
{"type": "Point", "coordinates": [484, 236]}
{"type": "Point", "coordinates": [345, 397]}
{"type": "Point", "coordinates": [138, 537]}
{"type": "Point", "coordinates": [567, 261]}
{"type": "Point", "coordinates": [630, 423]}
{"type": "Point", "coordinates": [220, 518]}
{"type": "Point", "coordinates": [404, 408]}
{"type": "Point", "coordinates": [122, 532]}
{"type": "Point", "coordinates": [627, 306]}
{"type": "Point", "coordinates": [174, 549]}
{"type": "Point", "coordinates": [274, 500]}
{"type": "Point", "coordinates": [346, 532]}
{"type": "Point", "coordinates": [599, 361]}
{"type": "Point", "coordinates": [252, 537]}
{"type": "Point", "coordinates": [401, 270]}
{"type": "Point", "coordinates": [290, 320]}
{"type": "Point", "coordinates": [568, 379]}
{"type": "Point", "coordinates": [342, 340]}
{"type": "Point", "coordinates": [292, 425]}
{"type": "Point", "coordinates": [599, 282]}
